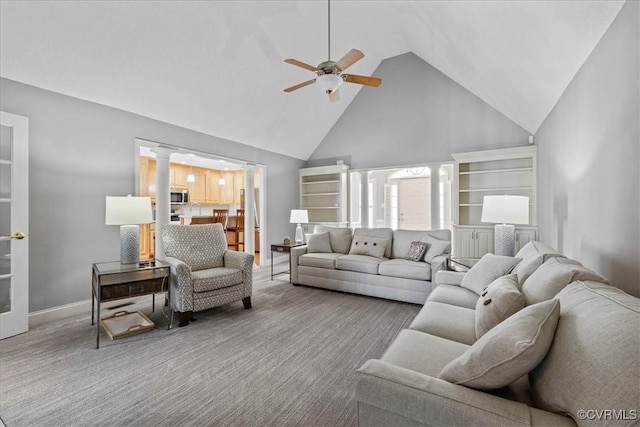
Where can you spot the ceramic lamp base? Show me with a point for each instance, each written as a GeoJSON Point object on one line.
{"type": "Point", "coordinates": [299, 236]}
{"type": "Point", "coordinates": [504, 239]}
{"type": "Point", "coordinates": [129, 244]}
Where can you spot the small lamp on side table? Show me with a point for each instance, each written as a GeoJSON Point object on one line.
{"type": "Point", "coordinates": [128, 212]}
{"type": "Point", "coordinates": [502, 210]}
{"type": "Point", "coordinates": [299, 216]}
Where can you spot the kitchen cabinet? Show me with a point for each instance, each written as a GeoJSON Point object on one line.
{"type": "Point", "coordinates": [147, 240]}
{"type": "Point", "coordinates": [179, 175]}
{"type": "Point", "coordinates": [226, 189]}
{"type": "Point", "coordinates": [197, 189]}
{"type": "Point", "coordinates": [212, 188]}
{"type": "Point", "coordinates": [238, 184]}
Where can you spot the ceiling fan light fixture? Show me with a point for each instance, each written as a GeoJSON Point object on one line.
{"type": "Point", "coordinates": [329, 82]}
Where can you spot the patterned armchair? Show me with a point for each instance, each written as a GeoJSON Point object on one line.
{"type": "Point", "coordinates": [204, 274]}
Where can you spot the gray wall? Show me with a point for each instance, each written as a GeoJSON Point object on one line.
{"type": "Point", "coordinates": [79, 153]}
{"type": "Point", "coordinates": [588, 159]}
{"type": "Point", "coordinates": [417, 116]}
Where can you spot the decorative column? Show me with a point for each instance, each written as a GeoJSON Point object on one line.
{"type": "Point", "coordinates": [163, 202]}
{"type": "Point", "coordinates": [435, 197]}
{"type": "Point", "coordinates": [364, 199]}
{"type": "Point", "coordinates": [249, 210]}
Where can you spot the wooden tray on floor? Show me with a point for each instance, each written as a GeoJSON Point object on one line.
{"type": "Point", "coordinates": [126, 323]}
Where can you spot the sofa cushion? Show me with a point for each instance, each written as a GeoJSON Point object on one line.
{"type": "Point", "coordinates": [485, 271]}
{"type": "Point", "coordinates": [401, 241]}
{"type": "Point", "coordinates": [380, 233]}
{"type": "Point", "coordinates": [416, 251]}
{"type": "Point", "coordinates": [436, 247]}
{"type": "Point", "coordinates": [454, 295]}
{"type": "Point", "coordinates": [508, 351]}
{"type": "Point", "coordinates": [359, 263]}
{"type": "Point", "coordinates": [501, 299]}
{"type": "Point", "coordinates": [215, 278]}
{"type": "Point", "coordinates": [321, 260]}
{"type": "Point", "coordinates": [318, 242]}
{"type": "Point", "coordinates": [339, 237]}
{"type": "Point", "coordinates": [423, 353]}
{"type": "Point", "coordinates": [533, 255]}
{"type": "Point", "coordinates": [593, 362]}
{"type": "Point", "coordinates": [446, 321]}
{"type": "Point", "coordinates": [553, 276]}
{"type": "Point", "coordinates": [405, 268]}
{"type": "Point", "coordinates": [371, 246]}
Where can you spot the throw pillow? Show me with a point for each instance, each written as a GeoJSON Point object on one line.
{"type": "Point", "coordinates": [416, 251]}
{"type": "Point", "coordinates": [485, 271]}
{"type": "Point", "coordinates": [371, 246]}
{"type": "Point", "coordinates": [436, 247]}
{"type": "Point", "coordinates": [318, 242]}
{"type": "Point", "coordinates": [501, 299]}
{"type": "Point", "coordinates": [508, 351]}
{"type": "Point", "coordinates": [340, 238]}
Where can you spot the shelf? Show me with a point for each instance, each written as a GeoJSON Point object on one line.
{"type": "Point", "coordinates": [321, 207]}
{"type": "Point", "coordinates": [333, 181]}
{"type": "Point", "coordinates": [471, 190]}
{"type": "Point", "coordinates": [497, 171]}
{"type": "Point", "coordinates": [470, 204]}
{"type": "Point", "coordinates": [320, 194]}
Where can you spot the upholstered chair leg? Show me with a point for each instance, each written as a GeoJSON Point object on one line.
{"type": "Point", "coordinates": [247, 302]}
{"type": "Point", "coordinates": [184, 318]}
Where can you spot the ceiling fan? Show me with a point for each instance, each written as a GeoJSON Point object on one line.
{"type": "Point", "coordinates": [330, 73]}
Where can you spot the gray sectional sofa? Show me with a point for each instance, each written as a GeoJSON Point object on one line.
{"type": "Point", "coordinates": [336, 263]}
{"type": "Point", "coordinates": [569, 354]}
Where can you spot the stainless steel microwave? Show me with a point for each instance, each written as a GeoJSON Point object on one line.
{"type": "Point", "coordinates": [179, 196]}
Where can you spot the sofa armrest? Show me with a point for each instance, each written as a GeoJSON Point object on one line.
{"type": "Point", "coordinates": [241, 261]}
{"type": "Point", "coordinates": [444, 277]}
{"type": "Point", "coordinates": [438, 263]}
{"type": "Point", "coordinates": [430, 401]}
{"type": "Point", "coordinates": [295, 254]}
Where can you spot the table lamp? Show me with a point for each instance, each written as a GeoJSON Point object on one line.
{"type": "Point", "coordinates": [128, 212]}
{"type": "Point", "coordinates": [298, 216]}
{"type": "Point", "coordinates": [504, 211]}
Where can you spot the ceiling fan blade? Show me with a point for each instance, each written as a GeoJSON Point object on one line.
{"type": "Point", "coordinates": [362, 80]}
{"type": "Point", "coordinates": [353, 56]}
{"type": "Point", "coordinates": [300, 64]}
{"type": "Point", "coordinates": [334, 96]}
{"type": "Point", "coordinates": [299, 85]}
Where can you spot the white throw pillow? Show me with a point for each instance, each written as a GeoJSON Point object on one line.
{"type": "Point", "coordinates": [485, 271]}
{"type": "Point", "coordinates": [508, 351]}
{"type": "Point", "coordinates": [436, 247]}
{"type": "Point", "coordinates": [501, 299]}
{"type": "Point", "coordinates": [318, 242]}
{"type": "Point", "coordinates": [371, 246]}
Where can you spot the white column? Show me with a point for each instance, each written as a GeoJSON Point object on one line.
{"type": "Point", "coordinates": [163, 202]}
{"type": "Point", "coordinates": [364, 199]}
{"type": "Point", "coordinates": [249, 211]}
{"type": "Point", "coordinates": [435, 197]}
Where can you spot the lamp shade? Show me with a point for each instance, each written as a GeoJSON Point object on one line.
{"type": "Point", "coordinates": [299, 216]}
{"type": "Point", "coordinates": [505, 209]}
{"type": "Point", "coordinates": [127, 210]}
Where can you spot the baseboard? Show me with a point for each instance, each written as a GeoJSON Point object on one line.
{"type": "Point", "coordinates": [57, 313]}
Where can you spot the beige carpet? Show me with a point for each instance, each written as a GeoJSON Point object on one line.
{"type": "Point", "coordinates": [290, 360]}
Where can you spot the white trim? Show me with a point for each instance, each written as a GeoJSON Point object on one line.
{"type": "Point", "coordinates": [74, 309]}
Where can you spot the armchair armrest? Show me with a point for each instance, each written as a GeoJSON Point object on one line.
{"type": "Point", "coordinates": [429, 401]}
{"type": "Point", "coordinates": [181, 286]}
{"type": "Point", "coordinates": [444, 277]}
{"type": "Point", "coordinates": [241, 261]}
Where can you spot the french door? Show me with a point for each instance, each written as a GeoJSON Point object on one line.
{"type": "Point", "coordinates": [14, 225]}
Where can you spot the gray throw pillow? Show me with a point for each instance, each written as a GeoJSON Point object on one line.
{"type": "Point", "coordinates": [318, 243]}
{"type": "Point", "coordinates": [508, 351]}
{"type": "Point", "coordinates": [436, 247]}
{"type": "Point", "coordinates": [485, 271]}
{"type": "Point", "coordinates": [501, 299]}
{"type": "Point", "coordinates": [371, 246]}
{"type": "Point", "coordinates": [416, 251]}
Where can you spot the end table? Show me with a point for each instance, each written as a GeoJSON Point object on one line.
{"type": "Point", "coordinates": [282, 248]}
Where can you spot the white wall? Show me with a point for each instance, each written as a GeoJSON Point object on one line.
{"type": "Point", "coordinates": [417, 116]}
{"type": "Point", "coordinates": [588, 159]}
{"type": "Point", "coordinates": [79, 153]}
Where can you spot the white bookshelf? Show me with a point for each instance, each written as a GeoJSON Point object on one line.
{"type": "Point", "coordinates": [323, 193]}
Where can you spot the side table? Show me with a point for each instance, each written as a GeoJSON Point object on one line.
{"type": "Point", "coordinates": [113, 281]}
{"type": "Point", "coordinates": [282, 248]}
{"type": "Point", "coordinates": [461, 264]}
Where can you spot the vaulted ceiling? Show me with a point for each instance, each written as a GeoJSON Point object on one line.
{"type": "Point", "coordinates": [217, 66]}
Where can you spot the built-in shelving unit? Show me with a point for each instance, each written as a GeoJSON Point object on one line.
{"type": "Point", "coordinates": [323, 193]}
{"type": "Point", "coordinates": [492, 172]}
